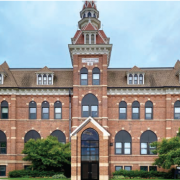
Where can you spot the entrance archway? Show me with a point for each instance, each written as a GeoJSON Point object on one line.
{"type": "Point", "coordinates": [90, 155]}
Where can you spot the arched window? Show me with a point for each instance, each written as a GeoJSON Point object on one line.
{"type": "Point", "coordinates": [4, 110]}
{"type": "Point", "coordinates": [87, 38]}
{"type": "Point", "coordinates": [32, 110]}
{"type": "Point", "coordinates": [45, 110]}
{"type": "Point", "coordinates": [96, 76]}
{"type": "Point", "coordinates": [32, 134]}
{"type": "Point", "coordinates": [130, 79]}
{"type": "Point", "coordinates": [84, 15]}
{"type": "Point", "coordinates": [177, 110]}
{"type": "Point", "coordinates": [84, 76]}
{"type": "Point", "coordinates": [60, 136]}
{"type": "Point", "coordinates": [135, 110]}
{"type": "Point", "coordinates": [140, 79]}
{"type": "Point", "coordinates": [90, 106]}
{"type": "Point", "coordinates": [44, 79]}
{"type": "Point", "coordinates": [122, 110]}
{"type": "Point", "coordinates": [39, 79]}
{"type": "Point", "coordinates": [89, 14]}
{"type": "Point", "coordinates": [49, 79]}
{"type": "Point", "coordinates": [146, 139]}
{"type": "Point", "coordinates": [57, 110]}
{"type": "Point", "coordinates": [135, 79]}
{"type": "Point", "coordinates": [92, 38]}
{"type": "Point", "coordinates": [3, 143]}
{"type": "Point", "coordinates": [94, 15]}
{"type": "Point", "coordinates": [89, 145]}
{"type": "Point", "coordinates": [149, 110]}
{"type": "Point", "coordinates": [123, 143]}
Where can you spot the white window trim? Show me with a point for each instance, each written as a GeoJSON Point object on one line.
{"type": "Point", "coordinates": [42, 79]}
{"type": "Point", "coordinates": [138, 74]}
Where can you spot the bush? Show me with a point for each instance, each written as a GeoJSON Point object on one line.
{"type": "Point", "coordinates": [30, 173]}
{"type": "Point", "coordinates": [118, 177]}
{"type": "Point", "coordinates": [59, 176]}
{"type": "Point", "coordinates": [144, 174]}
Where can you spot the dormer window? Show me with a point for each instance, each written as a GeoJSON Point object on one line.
{"type": "Point", "coordinates": [45, 79]}
{"type": "Point", "coordinates": [50, 79]}
{"type": "Point", "coordinates": [135, 78]}
{"type": "Point", "coordinates": [140, 79]}
{"type": "Point", "coordinates": [39, 79]}
{"type": "Point", "coordinates": [2, 75]}
{"type": "Point", "coordinates": [130, 79]}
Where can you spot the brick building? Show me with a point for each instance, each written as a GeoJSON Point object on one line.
{"type": "Point", "coordinates": [110, 115]}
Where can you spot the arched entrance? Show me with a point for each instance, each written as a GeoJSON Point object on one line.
{"type": "Point", "coordinates": [90, 155]}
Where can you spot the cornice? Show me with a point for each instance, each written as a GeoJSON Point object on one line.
{"type": "Point", "coordinates": [142, 91]}
{"type": "Point", "coordinates": [90, 49]}
{"type": "Point", "coordinates": [34, 91]}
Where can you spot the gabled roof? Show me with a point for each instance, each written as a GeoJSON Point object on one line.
{"type": "Point", "coordinates": [90, 119]}
{"type": "Point", "coordinates": [45, 70]}
{"type": "Point", "coordinates": [89, 27]}
{"type": "Point", "coordinates": [135, 69]}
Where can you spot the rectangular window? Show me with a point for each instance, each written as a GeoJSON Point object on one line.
{"type": "Point", "coordinates": [117, 168]}
{"type": "Point", "coordinates": [2, 147]}
{"type": "Point", "coordinates": [118, 148]}
{"type": "Point", "coordinates": [148, 113]}
{"type": "Point", "coordinates": [26, 167]}
{"type": "Point", "coordinates": [127, 168]}
{"type": "Point", "coordinates": [135, 80]}
{"type": "Point", "coordinates": [135, 113]}
{"type": "Point", "coordinates": [44, 80]}
{"type": "Point", "coordinates": [127, 148]}
{"type": "Point", "coordinates": [49, 80]}
{"type": "Point", "coordinates": [4, 113]}
{"type": "Point", "coordinates": [94, 111]}
{"type": "Point", "coordinates": [32, 113]}
{"type": "Point", "coordinates": [122, 113]}
{"type": "Point", "coordinates": [151, 149]}
{"type": "Point", "coordinates": [144, 168]}
{"type": "Point", "coordinates": [85, 111]}
{"type": "Point", "coordinates": [152, 168]}
{"type": "Point", "coordinates": [39, 80]}
{"type": "Point", "coordinates": [130, 80]}
{"type": "Point", "coordinates": [143, 148]}
{"type": "Point", "coordinates": [84, 79]}
{"type": "Point", "coordinates": [177, 113]}
{"type": "Point", "coordinates": [96, 79]}
{"type": "Point", "coordinates": [140, 80]}
{"type": "Point", "coordinates": [58, 113]}
{"type": "Point", "coordinates": [45, 113]}
{"type": "Point", "coordinates": [2, 170]}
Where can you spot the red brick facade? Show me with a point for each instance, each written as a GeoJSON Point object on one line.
{"type": "Point", "coordinates": [20, 88]}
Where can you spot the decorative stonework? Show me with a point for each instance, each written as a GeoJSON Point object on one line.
{"type": "Point", "coordinates": [143, 91]}
{"type": "Point", "coordinates": [34, 91]}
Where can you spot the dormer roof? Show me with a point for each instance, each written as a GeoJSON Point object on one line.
{"type": "Point", "coordinates": [135, 69]}
{"type": "Point", "coordinates": [45, 70]}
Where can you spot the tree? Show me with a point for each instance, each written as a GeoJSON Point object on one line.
{"type": "Point", "coordinates": [47, 154]}
{"type": "Point", "coordinates": [168, 151]}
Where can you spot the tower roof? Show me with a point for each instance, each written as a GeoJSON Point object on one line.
{"type": "Point", "coordinates": [89, 4]}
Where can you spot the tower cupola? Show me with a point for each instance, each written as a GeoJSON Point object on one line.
{"type": "Point", "coordinates": [89, 12]}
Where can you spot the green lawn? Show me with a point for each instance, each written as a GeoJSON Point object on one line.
{"type": "Point", "coordinates": [52, 179]}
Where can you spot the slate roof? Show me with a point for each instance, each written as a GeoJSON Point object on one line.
{"type": "Point", "coordinates": [63, 78]}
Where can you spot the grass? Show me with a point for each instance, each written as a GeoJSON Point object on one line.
{"type": "Point", "coordinates": [32, 179]}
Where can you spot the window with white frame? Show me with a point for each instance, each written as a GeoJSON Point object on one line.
{"type": "Point", "coordinates": [45, 79]}
{"type": "Point", "coordinates": [135, 78]}
{"type": "Point", "coordinates": [1, 78]}
{"type": "Point", "coordinates": [90, 38]}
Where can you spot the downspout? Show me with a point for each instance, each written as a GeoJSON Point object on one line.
{"type": "Point", "coordinates": [69, 115]}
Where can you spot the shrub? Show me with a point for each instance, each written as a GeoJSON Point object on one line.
{"type": "Point", "coordinates": [59, 176]}
{"type": "Point", "coordinates": [119, 177]}
{"type": "Point", "coordinates": [30, 173]}
{"type": "Point", "coordinates": [144, 174]}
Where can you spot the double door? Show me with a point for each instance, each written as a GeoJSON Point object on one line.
{"type": "Point", "coordinates": [89, 170]}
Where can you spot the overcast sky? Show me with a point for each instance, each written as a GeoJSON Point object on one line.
{"type": "Point", "coordinates": [37, 34]}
